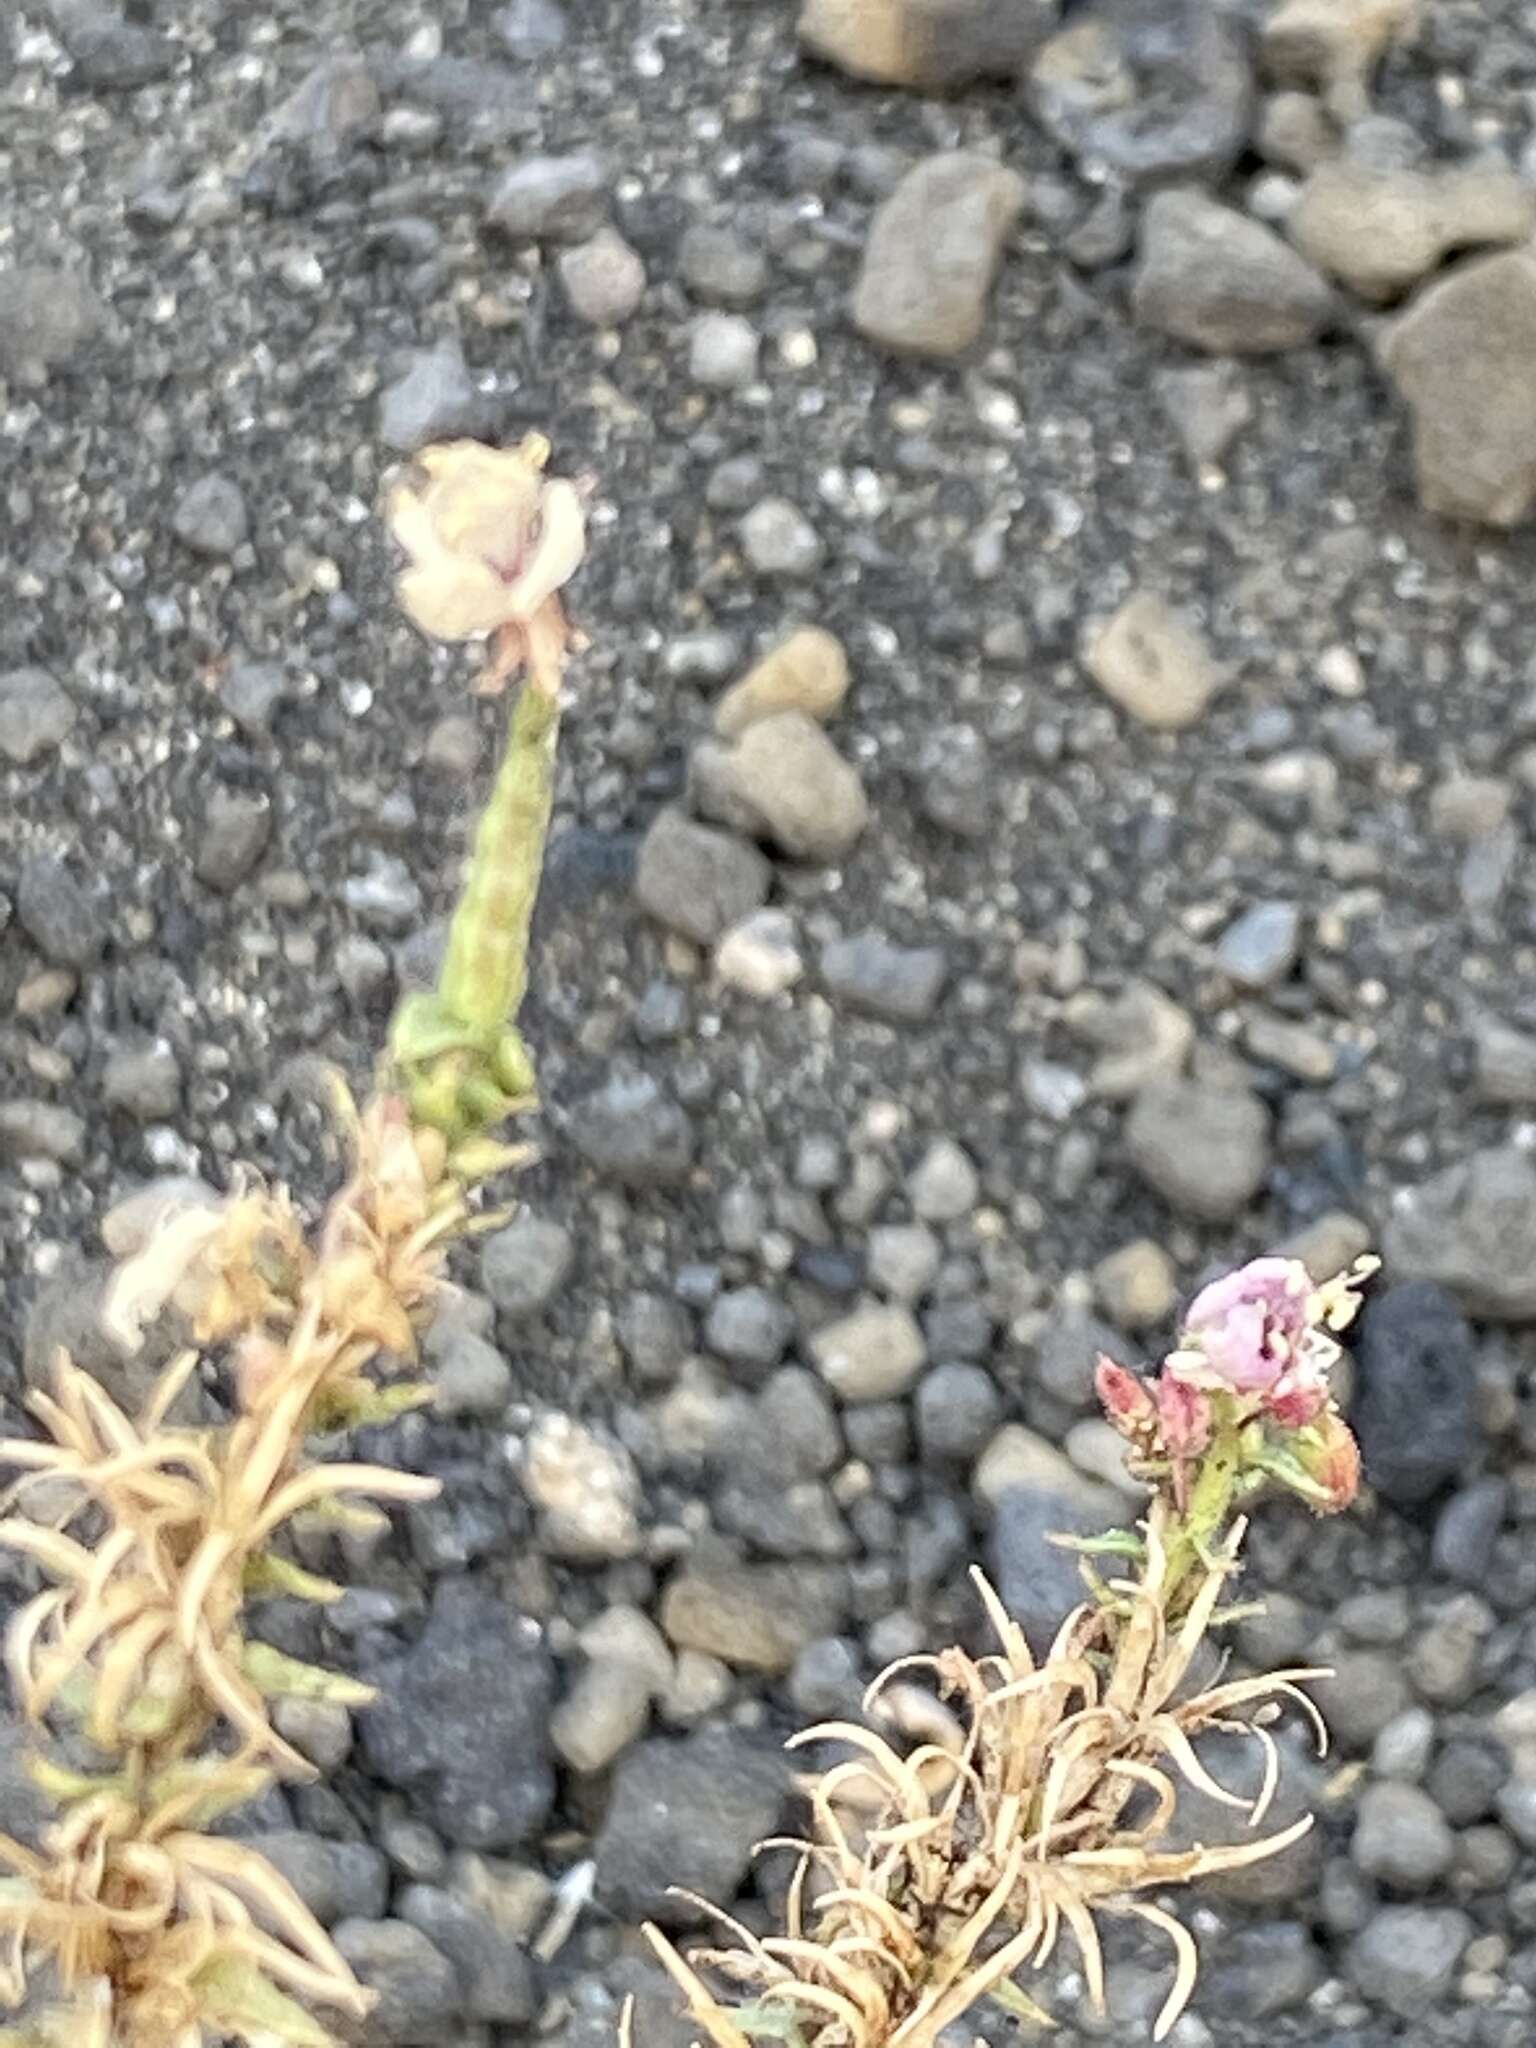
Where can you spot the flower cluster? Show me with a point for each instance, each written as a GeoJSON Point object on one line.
{"type": "Point", "coordinates": [1250, 1372]}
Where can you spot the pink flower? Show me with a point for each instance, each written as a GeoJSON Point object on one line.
{"type": "Point", "coordinates": [1297, 1398]}
{"type": "Point", "coordinates": [1126, 1399]}
{"type": "Point", "coordinates": [1183, 1418]}
{"type": "Point", "coordinates": [1244, 1333]}
{"type": "Point", "coordinates": [1330, 1457]}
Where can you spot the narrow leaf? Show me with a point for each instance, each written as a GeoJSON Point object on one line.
{"type": "Point", "coordinates": [268, 1575]}
{"type": "Point", "coordinates": [236, 1999]}
{"type": "Point", "coordinates": [277, 1676]}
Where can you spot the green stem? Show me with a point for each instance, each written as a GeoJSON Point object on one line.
{"type": "Point", "coordinates": [1209, 1510]}
{"type": "Point", "coordinates": [485, 971]}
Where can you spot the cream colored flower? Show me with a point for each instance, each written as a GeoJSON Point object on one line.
{"type": "Point", "coordinates": [491, 540]}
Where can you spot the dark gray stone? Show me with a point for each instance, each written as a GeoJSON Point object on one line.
{"type": "Point", "coordinates": [251, 694]}
{"type": "Point", "coordinates": [143, 1082]}
{"type": "Point", "coordinates": [1217, 280]}
{"type": "Point", "coordinates": [1415, 1410]}
{"type": "Point", "coordinates": [1405, 1958]}
{"type": "Point", "coordinates": [1401, 1837]}
{"type": "Point", "coordinates": [416, 1989]}
{"type": "Point", "coordinates": [1472, 1228]}
{"type": "Point", "coordinates": [696, 880]}
{"type": "Point", "coordinates": [109, 53]}
{"type": "Point", "coordinates": [1204, 1149]}
{"type": "Point", "coordinates": [433, 399]}
{"type": "Point", "coordinates": [1260, 1971]}
{"type": "Point", "coordinates": [551, 198]}
{"type": "Point", "coordinates": [1152, 89]}
{"type": "Point", "coordinates": [1465, 1779]}
{"type": "Point", "coordinates": [686, 1814]}
{"type": "Point", "coordinates": [30, 1129]}
{"type": "Point", "coordinates": [210, 516]}
{"type": "Point", "coordinates": [869, 972]}
{"type": "Point", "coordinates": [531, 29]}
{"type": "Point", "coordinates": [1039, 1582]}
{"type": "Point", "coordinates": [656, 1336]}
{"type": "Point", "coordinates": [236, 828]}
{"type": "Point", "coordinates": [336, 1880]}
{"type": "Point", "coordinates": [1237, 1763]}
{"type": "Point", "coordinates": [495, 1974]}
{"type": "Point", "coordinates": [1467, 1529]}
{"type": "Point", "coordinates": [750, 1329]}
{"type": "Point", "coordinates": [462, 1718]}
{"type": "Point", "coordinates": [524, 1267]}
{"type": "Point", "coordinates": [958, 1407]}
{"type": "Point", "coordinates": [46, 319]}
{"type": "Point", "coordinates": [721, 267]}
{"type": "Point", "coordinates": [36, 714]}
{"type": "Point", "coordinates": [630, 1130]}
{"type": "Point", "coordinates": [59, 914]}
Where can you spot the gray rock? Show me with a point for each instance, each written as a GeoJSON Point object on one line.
{"type": "Point", "coordinates": [958, 1407]}
{"type": "Point", "coordinates": [336, 1880]}
{"type": "Point", "coordinates": [655, 1335]}
{"type": "Point", "coordinates": [1366, 1692]}
{"type": "Point", "coordinates": [1208, 406]}
{"type": "Point", "coordinates": [210, 517]}
{"type": "Point", "coordinates": [1517, 1811]}
{"type": "Point", "coordinates": [755, 1617]}
{"type": "Point", "coordinates": [722, 351]}
{"type": "Point", "coordinates": [59, 914]}
{"type": "Point", "coordinates": [1213, 278]}
{"type": "Point", "coordinates": [1416, 1391]}
{"type": "Point", "coordinates": [531, 29]}
{"type": "Point", "coordinates": [495, 1978]}
{"type": "Point", "coordinates": [1150, 89]}
{"type": "Point", "coordinates": [873, 1354]}
{"type": "Point", "coordinates": [143, 1081]}
{"type": "Point", "coordinates": [1259, 948]}
{"type": "Point", "coordinates": [903, 1259]}
{"type": "Point", "coordinates": [787, 778]}
{"type": "Point", "coordinates": [1380, 231]}
{"type": "Point", "coordinates": [415, 1987]}
{"type": "Point", "coordinates": [686, 1815]}
{"type": "Point", "coordinates": [1038, 1582]}
{"type": "Point", "coordinates": [461, 1720]}
{"type": "Point", "coordinates": [1068, 1353]}
{"type": "Point", "coordinates": [1404, 1747]}
{"type": "Point", "coordinates": [1465, 1780]}
{"type": "Point", "coordinates": [1472, 1229]}
{"type": "Point", "coordinates": [1405, 1958]}
{"type": "Point", "coordinates": [1204, 1149]}
{"type": "Point", "coordinates": [630, 1130]}
{"type": "Point", "coordinates": [1467, 1529]}
{"type": "Point", "coordinates": [944, 1185]}
{"type": "Point", "coordinates": [952, 781]}
{"type": "Point", "coordinates": [604, 279]}
{"type": "Point", "coordinates": [551, 198]}
{"type": "Point", "coordinates": [934, 45]}
{"type": "Point", "coordinates": [750, 1329]}
{"type": "Point", "coordinates": [469, 1375]}
{"type": "Point", "coordinates": [335, 104]}
{"type": "Point", "coordinates": [46, 319]}
{"type": "Point", "coordinates": [41, 1130]}
{"type": "Point", "coordinates": [1401, 1837]}
{"type": "Point", "coordinates": [869, 972]}
{"type": "Point", "coordinates": [698, 881]}
{"type": "Point", "coordinates": [523, 1267]}
{"type": "Point", "coordinates": [933, 251]}
{"type": "Point", "coordinates": [779, 541]}
{"type": "Point", "coordinates": [251, 693]}
{"type": "Point", "coordinates": [1460, 358]}
{"type": "Point", "coordinates": [109, 53]}
{"type": "Point", "coordinates": [36, 715]}
{"type": "Point", "coordinates": [236, 828]}
{"type": "Point", "coordinates": [1261, 1971]}
{"type": "Point", "coordinates": [318, 1729]}
{"type": "Point", "coordinates": [433, 399]}
{"type": "Point", "coordinates": [720, 267]}
{"type": "Point", "coordinates": [1505, 1064]}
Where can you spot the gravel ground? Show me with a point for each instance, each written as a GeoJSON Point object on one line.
{"type": "Point", "coordinates": [1152, 888]}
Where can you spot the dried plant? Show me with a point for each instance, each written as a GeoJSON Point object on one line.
{"type": "Point", "coordinates": [932, 1880]}
{"type": "Point", "coordinates": [132, 1926]}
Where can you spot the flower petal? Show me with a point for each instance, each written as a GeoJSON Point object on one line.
{"type": "Point", "coordinates": [558, 551]}
{"type": "Point", "coordinates": [452, 597]}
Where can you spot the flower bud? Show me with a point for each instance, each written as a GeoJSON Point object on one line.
{"type": "Point", "coordinates": [1327, 1452]}
{"type": "Point", "coordinates": [1126, 1399]}
{"type": "Point", "coordinates": [1183, 1418]}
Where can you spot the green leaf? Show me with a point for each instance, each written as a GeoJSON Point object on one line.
{"type": "Point", "coordinates": [234, 1998]}
{"type": "Point", "coordinates": [266, 1574]}
{"type": "Point", "coordinates": [351, 1517]}
{"type": "Point", "coordinates": [366, 1407]}
{"type": "Point", "coordinates": [1012, 1999]}
{"type": "Point", "coordinates": [1113, 1543]}
{"type": "Point", "coordinates": [278, 1677]}
{"type": "Point", "coordinates": [64, 1786]}
{"type": "Point", "coordinates": [769, 2022]}
{"type": "Point", "coordinates": [213, 1786]}
{"type": "Point", "coordinates": [1285, 1466]}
